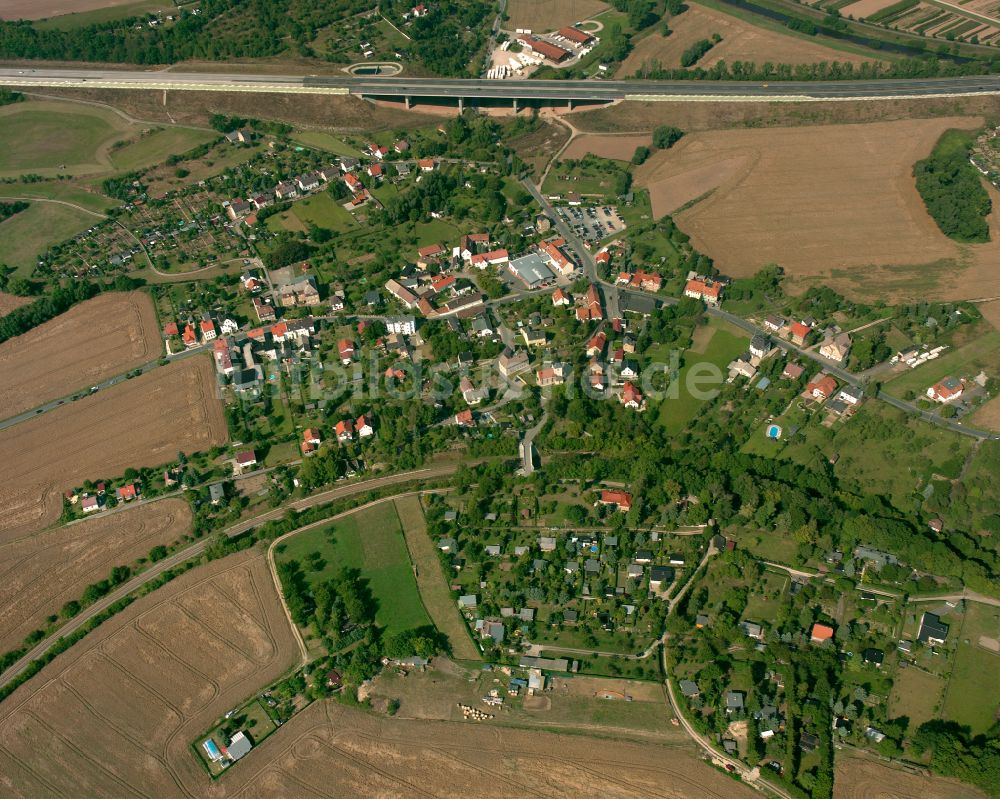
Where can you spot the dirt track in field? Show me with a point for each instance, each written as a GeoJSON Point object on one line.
{"type": "Point", "coordinates": [141, 422]}
{"type": "Point", "coordinates": [861, 778]}
{"type": "Point", "coordinates": [741, 41]}
{"type": "Point", "coordinates": [38, 574]}
{"type": "Point", "coordinates": [836, 205]}
{"type": "Point", "coordinates": [91, 342]}
{"type": "Point", "coordinates": [8, 302]}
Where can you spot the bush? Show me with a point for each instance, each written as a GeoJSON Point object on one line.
{"type": "Point", "coordinates": [640, 156]}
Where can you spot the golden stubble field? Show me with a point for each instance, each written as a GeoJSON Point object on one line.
{"type": "Point", "coordinates": [138, 423]}
{"type": "Point", "coordinates": [92, 341]}
{"type": "Point", "coordinates": [835, 204]}
{"type": "Point", "coordinates": [114, 718]}
{"type": "Point", "coordinates": [42, 9]}
{"type": "Point", "coordinates": [857, 777]}
{"type": "Point", "coordinates": [548, 15]}
{"type": "Point", "coordinates": [741, 41]}
{"type": "Point", "coordinates": [39, 573]}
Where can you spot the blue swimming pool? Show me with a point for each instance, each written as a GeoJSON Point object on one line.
{"type": "Point", "coordinates": [773, 431]}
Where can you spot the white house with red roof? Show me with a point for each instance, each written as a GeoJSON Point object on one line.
{"type": "Point", "coordinates": [353, 184]}
{"type": "Point", "coordinates": [345, 430]}
{"type": "Point", "coordinates": [622, 500]}
{"type": "Point", "coordinates": [948, 390]}
{"type": "Point", "coordinates": [190, 337]}
{"type": "Point", "coordinates": [127, 492]}
{"type": "Point", "coordinates": [705, 289]}
{"type": "Point", "coordinates": [346, 349]}
{"type": "Point", "coordinates": [364, 426]}
{"type": "Point", "coordinates": [244, 460]}
{"type": "Point", "coordinates": [375, 171]}
{"type": "Point", "coordinates": [590, 309]}
{"type": "Point", "coordinates": [632, 397]}
{"type": "Point", "coordinates": [426, 164]}
{"type": "Point", "coordinates": [378, 151]}
{"type": "Point", "coordinates": [208, 330]}
{"type": "Point", "coordinates": [560, 298]}
{"type": "Point", "coordinates": [597, 344]}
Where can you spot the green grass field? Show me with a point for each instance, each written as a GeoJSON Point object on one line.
{"type": "Point", "coordinates": [972, 697]}
{"type": "Point", "coordinates": [28, 234]}
{"type": "Point", "coordinates": [324, 141]}
{"type": "Point", "coordinates": [371, 541]}
{"type": "Point", "coordinates": [157, 146]}
{"type": "Point", "coordinates": [915, 694]}
{"type": "Point", "coordinates": [67, 192]}
{"type": "Point", "coordinates": [964, 361]}
{"type": "Point", "coordinates": [44, 136]}
{"type": "Point", "coordinates": [719, 348]}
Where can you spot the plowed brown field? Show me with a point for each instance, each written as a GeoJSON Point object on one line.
{"type": "Point", "coordinates": [8, 302]}
{"type": "Point", "coordinates": [40, 9]}
{"type": "Point", "coordinates": [860, 778]}
{"type": "Point", "coordinates": [115, 716]}
{"type": "Point", "coordinates": [620, 148]}
{"type": "Point", "coordinates": [741, 41]}
{"type": "Point", "coordinates": [38, 574]}
{"type": "Point", "coordinates": [141, 422]}
{"type": "Point", "coordinates": [835, 204]}
{"type": "Point", "coordinates": [91, 342]}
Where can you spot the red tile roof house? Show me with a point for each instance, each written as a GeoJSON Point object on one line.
{"type": "Point", "coordinates": [704, 290]}
{"type": "Point", "coordinates": [544, 49]}
{"type": "Point", "coordinates": [603, 258]}
{"type": "Point", "coordinates": [575, 35]}
{"type": "Point", "coordinates": [820, 633]}
{"type": "Point", "coordinates": [364, 426]}
{"type": "Point", "coordinates": [378, 151]}
{"type": "Point", "coordinates": [800, 333]}
{"type": "Point", "coordinates": [190, 337]}
{"type": "Point", "coordinates": [948, 390]}
{"type": "Point", "coordinates": [127, 492]}
{"type": "Point", "coordinates": [90, 504]}
{"type": "Point", "coordinates": [426, 164]}
{"type": "Point", "coordinates": [346, 349]}
{"type": "Point", "coordinates": [560, 298]}
{"type": "Point", "coordinates": [596, 344]}
{"type": "Point", "coordinates": [430, 250]}
{"type": "Point", "coordinates": [245, 460]}
{"type": "Point", "coordinates": [590, 310]}
{"type": "Point", "coordinates": [207, 330]}
{"type": "Point", "coordinates": [632, 397]}
{"type": "Point", "coordinates": [622, 500]}
{"type": "Point", "coordinates": [822, 387]}
{"type": "Point", "coordinates": [353, 183]}
{"type": "Point", "coordinates": [345, 430]}
{"type": "Point", "coordinates": [170, 329]}
{"type": "Point", "coordinates": [375, 171]}
{"type": "Point", "coordinates": [464, 418]}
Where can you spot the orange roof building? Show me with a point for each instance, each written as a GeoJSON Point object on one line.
{"type": "Point", "coordinates": [821, 633]}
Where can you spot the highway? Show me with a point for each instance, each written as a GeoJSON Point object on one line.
{"type": "Point", "coordinates": [480, 89]}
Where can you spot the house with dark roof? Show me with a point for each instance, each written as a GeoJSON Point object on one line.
{"type": "Point", "coordinates": [932, 630]}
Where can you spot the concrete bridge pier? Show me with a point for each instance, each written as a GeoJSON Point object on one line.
{"type": "Point", "coordinates": [409, 102]}
{"type": "Point", "coordinates": [515, 105]}
{"type": "Point", "coordinates": [461, 104]}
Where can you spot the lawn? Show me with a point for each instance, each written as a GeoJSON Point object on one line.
{"type": "Point", "coordinates": [972, 698]}
{"type": "Point", "coordinates": [915, 694]}
{"type": "Point", "coordinates": [717, 348]}
{"type": "Point", "coordinates": [91, 200]}
{"type": "Point", "coordinates": [156, 146]}
{"type": "Point", "coordinates": [324, 141]}
{"type": "Point", "coordinates": [763, 604]}
{"type": "Point", "coordinates": [629, 669]}
{"type": "Point", "coordinates": [372, 542]}
{"type": "Point", "coordinates": [586, 180]}
{"type": "Point", "coordinates": [965, 361]}
{"type": "Point", "coordinates": [884, 450]}
{"type": "Point", "coordinates": [28, 234]}
{"type": "Point", "coordinates": [46, 136]}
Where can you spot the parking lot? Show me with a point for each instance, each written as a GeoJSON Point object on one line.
{"type": "Point", "coordinates": [593, 224]}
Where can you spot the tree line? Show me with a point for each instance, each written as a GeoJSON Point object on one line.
{"type": "Point", "coordinates": [952, 189]}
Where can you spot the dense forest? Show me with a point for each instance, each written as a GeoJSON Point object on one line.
{"type": "Point", "coordinates": [953, 190]}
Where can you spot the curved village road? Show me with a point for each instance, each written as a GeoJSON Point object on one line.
{"type": "Point", "coordinates": [613, 293]}
{"type": "Point", "coordinates": [196, 549]}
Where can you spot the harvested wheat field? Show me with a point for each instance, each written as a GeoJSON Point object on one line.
{"type": "Point", "coordinates": [40, 573]}
{"type": "Point", "coordinates": [618, 148]}
{"type": "Point", "coordinates": [8, 302]}
{"type": "Point", "coordinates": [92, 341]}
{"type": "Point", "coordinates": [549, 15]}
{"type": "Point", "coordinates": [142, 422]}
{"type": "Point", "coordinates": [836, 204]}
{"type": "Point", "coordinates": [115, 715]}
{"type": "Point", "coordinates": [741, 41]}
{"type": "Point", "coordinates": [857, 777]}
{"type": "Point", "coordinates": [42, 9]}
